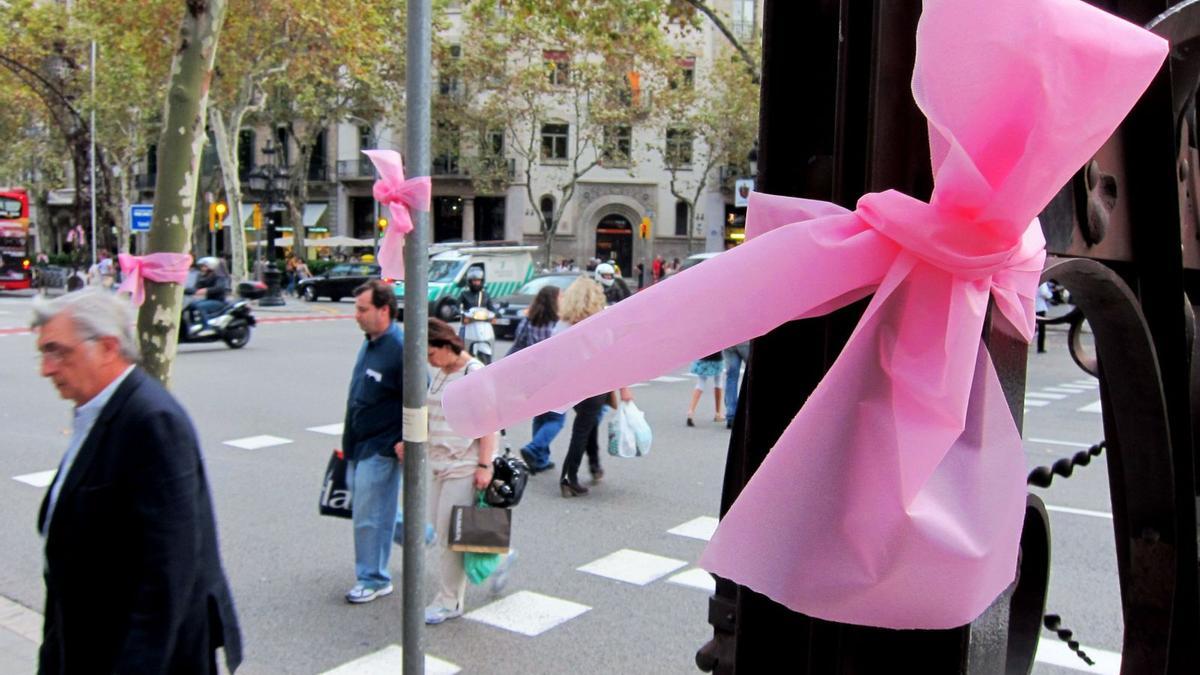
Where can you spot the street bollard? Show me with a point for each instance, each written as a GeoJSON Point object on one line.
{"type": "Point", "coordinates": [273, 298]}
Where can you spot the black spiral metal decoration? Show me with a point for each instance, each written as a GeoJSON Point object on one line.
{"type": "Point", "coordinates": [1044, 475]}
{"type": "Point", "coordinates": [1054, 622]}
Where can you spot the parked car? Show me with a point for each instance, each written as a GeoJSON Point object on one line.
{"type": "Point", "coordinates": [696, 259]}
{"type": "Point", "coordinates": [513, 307]}
{"type": "Point", "coordinates": [339, 282]}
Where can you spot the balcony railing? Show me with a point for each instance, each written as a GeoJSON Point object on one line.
{"type": "Point", "coordinates": [355, 169]}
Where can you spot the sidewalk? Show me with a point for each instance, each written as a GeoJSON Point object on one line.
{"type": "Point", "coordinates": [20, 636]}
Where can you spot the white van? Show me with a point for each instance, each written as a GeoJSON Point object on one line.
{"type": "Point", "coordinates": [505, 269]}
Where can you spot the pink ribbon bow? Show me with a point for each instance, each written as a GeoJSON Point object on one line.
{"type": "Point", "coordinates": [164, 268]}
{"type": "Point", "coordinates": [399, 195]}
{"type": "Point", "coordinates": [895, 498]}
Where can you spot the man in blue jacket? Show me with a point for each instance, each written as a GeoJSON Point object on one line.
{"type": "Point", "coordinates": [372, 438]}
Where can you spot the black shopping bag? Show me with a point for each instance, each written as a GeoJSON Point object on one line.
{"type": "Point", "coordinates": [335, 492]}
{"type": "Point", "coordinates": [480, 528]}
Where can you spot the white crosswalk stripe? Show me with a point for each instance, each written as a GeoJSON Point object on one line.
{"type": "Point", "coordinates": [1053, 652]}
{"type": "Point", "coordinates": [632, 567]}
{"type": "Point", "coordinates": [1049, 397]}
{"type": "Point", "coordinates": [40, 479]}
{"type": "Point", "coordinates": [701, 528]}
{"type": "Point", "coordinates": [328, 429]}
{"type": "Point", "coordinates": [527, 613]}
{"type": "Point", "coordinates": [695, 578]}
{"type": "Point", "coordinates": [258, 442]}
{"type": "Point", "coordinates": [389, 661]}
{"type": "Point", "coordinates": [1091, 408]}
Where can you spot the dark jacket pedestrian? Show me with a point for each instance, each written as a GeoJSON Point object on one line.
{"type": "Point", "coordinates": [133, 574]}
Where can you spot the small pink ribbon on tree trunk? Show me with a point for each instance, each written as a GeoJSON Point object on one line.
{"type": "Point", "coordinates": [399, 195]}
{"type": "Point", "coordinates": [895, 498]}
{"type": "Point", "coordinates": [164, 268]}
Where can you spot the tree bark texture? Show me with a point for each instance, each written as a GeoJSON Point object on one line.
{"type": "Point", "coordinates": [179, 150]}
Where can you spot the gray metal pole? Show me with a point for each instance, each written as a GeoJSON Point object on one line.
{"type": "Point", "coordinates": [416, 336]}
{"type": "Point", "coordinates": [92, 151]}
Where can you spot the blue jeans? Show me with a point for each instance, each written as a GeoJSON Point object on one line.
{"type": "Point", "coordinates": [375, 489]}
{"type": "Point", "coordinates": [207, 309]}
{"type": "Point", "coordinates": [545, 429]}
{"type": "Point", "coordinates": [733, 368]}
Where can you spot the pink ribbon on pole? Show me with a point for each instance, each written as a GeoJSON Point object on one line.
{"type": "Point", "coordinates": [164, 268]}
{"type": "Point", "coordinates": [895, 498]}
{"type": "Point", "coordinates": [398, 195]}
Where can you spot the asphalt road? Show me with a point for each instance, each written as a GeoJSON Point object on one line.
{"type": "Point", "coordinates": [290, 567]}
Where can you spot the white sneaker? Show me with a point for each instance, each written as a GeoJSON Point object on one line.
{"type": "Point", "coordinates": [360, 594]}
{"type": "Point", "coordinates": [435, 615]}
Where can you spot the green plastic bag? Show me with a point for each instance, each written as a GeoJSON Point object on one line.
{"type": "Point", "coordinates": [479, 566]}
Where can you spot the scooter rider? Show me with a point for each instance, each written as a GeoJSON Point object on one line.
{"type": "Point", "coordinates": [474, 295]}
{"type": "Point", "coordinates": [615, 289]}
{"type": "Point", "coordinates": [210, 293]}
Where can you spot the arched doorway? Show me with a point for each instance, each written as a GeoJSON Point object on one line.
{"type": "Point", "coordinates": [614, 239]}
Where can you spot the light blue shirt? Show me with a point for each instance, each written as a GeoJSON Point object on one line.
{"type": "Point", "coordinates": [85, 419]}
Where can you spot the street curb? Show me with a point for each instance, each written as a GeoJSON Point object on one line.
{"type": "Point", "coordinates": [21, 620]}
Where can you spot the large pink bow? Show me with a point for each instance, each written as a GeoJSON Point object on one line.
{"type": "Point", "coordinates": [895, 497]}
{"type": "Point", "coordinates": [399, 195]}
{"type": "Point", "coordinates": [164, 268]}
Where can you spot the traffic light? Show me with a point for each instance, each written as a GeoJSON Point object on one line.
{"type": "Point", "coordinates": [212, 217]}
{"type": "Point", "coordinates": [257, 220]}
{"type": "Point", "coordinates": [383, 223]}
{"type": "Point", "coordinates": [644, 230]}
{"type": "Point", "coordinates": [220, 209]}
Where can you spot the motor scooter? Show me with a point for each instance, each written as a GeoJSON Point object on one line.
{"type": "Point", "coordinates": [479, 334]}
{"type": "Point", "coordinates": [232, 325]}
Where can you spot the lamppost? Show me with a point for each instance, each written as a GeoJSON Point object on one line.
{"type": "Point", "coordinates": [268, 181]}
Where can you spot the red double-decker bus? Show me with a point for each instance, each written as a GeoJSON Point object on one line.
{"type": "Point", "coordinates": [15, 269]}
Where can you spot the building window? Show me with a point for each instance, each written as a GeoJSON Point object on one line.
{"type": "Point", "coordinates": [558, 67]}
{"type": "Point", "coordinates": [446, 144]}
{"type": "Point", "coordinates": [152, 162]}
{"type": "Point", "coordinates": [618, 144]}
{"type": "Point", "coordinates": [743, 18]}
{"type": "Point", "coordinates": [318, 159]}
{"type": "Point", "coordinates": [679, 147]}
{"type": "Point", "coordinates": [245, 151]}
{"type": "Point", "coordinates": [685, 75]}
{"type": "Point", "coordinates": [554, 141]}
{"type": "Point", "coordinates": [366, 138]}
{"type": "Point", "coordinates": [547, 207]}
{"type": "Point", "coordinates": [448, 85]}
{"type": "Point", "coordinates": [681, 218]}
{"type": "Point", "coordinates": [283, 150]}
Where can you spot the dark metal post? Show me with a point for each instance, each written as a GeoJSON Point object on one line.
{"type": "Point", "coordinates": [416, 337]}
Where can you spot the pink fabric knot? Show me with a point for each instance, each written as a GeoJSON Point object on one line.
{"type": "Point", "coordinates": [399, 196]}
{"type": "Point", "coordinates": [896, 496]}
{"type": "Point", "coordinates": [163, 268]}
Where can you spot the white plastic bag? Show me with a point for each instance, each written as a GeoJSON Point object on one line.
{"type": "Point", "coordinates": [628, 433]}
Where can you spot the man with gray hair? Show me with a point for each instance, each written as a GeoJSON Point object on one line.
{"type": "Point", "coordinates": [133, 574]}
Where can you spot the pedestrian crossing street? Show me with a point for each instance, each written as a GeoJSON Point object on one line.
{"type": "Point", "coordinates": [530, 613]}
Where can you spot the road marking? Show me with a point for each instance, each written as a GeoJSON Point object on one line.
{"type": "Point", "coordinates": [632, 567]}
{"type": "Point", "coordinates": [40, 479]}
{"type": "Point", "coordinates": [1055, 653]}
{"type": "Point", "coordinates": [390, 660]}
{"type": "Point", "coordinates": [639, 384]}
{"type": "Point", "coordinates": [1076, 387]}
{"type": "Point", "coordinates": [21, 620]}
{"type": "Point", "coordinates": [1035, 403]}
{"type": "Point", "coordinates": [528, 613]}
{"type": "Point", "coordinates": [669, 378]}
{"type": "Point", "coordinates": [329, 429]}
{"type": "Point", "coordinates": [1088, 383]}
{"type": "Point", "coordinates": [15, 331]}
{"type": "Point", "coordinates": [1051, 441]}
{"type": "Point", "coordinates": [701, 528]}
{"type": "Point", "coordinates": [302, 319]}
{"type": "Point", "coordinates": [1059, 390]}
{"type": "Point", "coordinates": [1048, 397]}
{"type": "Point", "coordinates": [695, 578]}
{"type": "Point", "coordinates": [1091, 408]}
{"type": "Point", "coordinates": [257, 442]}
{"type": "Point", "coordinates": [1079, 512]}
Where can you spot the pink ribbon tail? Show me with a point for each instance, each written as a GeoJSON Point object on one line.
{"type": "Point", "coordinates": [399, 195]}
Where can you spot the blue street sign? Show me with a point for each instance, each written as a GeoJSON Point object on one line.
{"type": "Point", "coordinates": [140, 216]}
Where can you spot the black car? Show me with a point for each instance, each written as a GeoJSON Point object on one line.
{"type": "Point", "coordinates": [339, 282]}
{"type": "Point", "coordinates": [513, 307]}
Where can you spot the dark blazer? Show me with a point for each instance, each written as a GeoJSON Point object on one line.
{"type": "Point", "coordinates": [133, 576]}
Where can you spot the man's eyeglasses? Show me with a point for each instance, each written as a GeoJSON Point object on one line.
{"type": "Point", "coordinates": [57, 353]}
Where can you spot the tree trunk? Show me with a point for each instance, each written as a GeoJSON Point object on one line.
{"type": "Point", "coordinates": [179, 150]}
{"type": "Point", "coordinates": [227, 156]}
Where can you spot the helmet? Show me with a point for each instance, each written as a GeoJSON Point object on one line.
{"type": "Point", "coordinates": [604, 274]}
{"type": "Point", "coordinates": [209, 262]}
{"type": "Point", "coordinates": [475, 273]}
{"type": "Point", "coordinates": [509, 476]}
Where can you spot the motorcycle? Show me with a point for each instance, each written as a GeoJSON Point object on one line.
{"type": "Point", "coordinates": [479, 334]}
{"type": "Point", "coordinates": [232, 325]}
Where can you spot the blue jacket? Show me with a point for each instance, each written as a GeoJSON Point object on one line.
{"type": "Point", "coordinates": [375, 406]}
